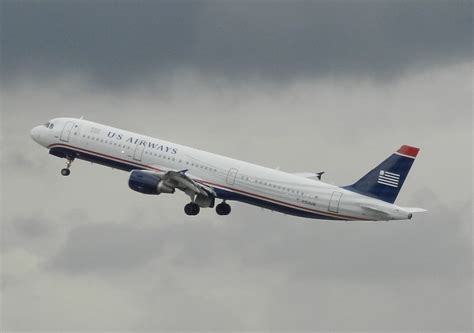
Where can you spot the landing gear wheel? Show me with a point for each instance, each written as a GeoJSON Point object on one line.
{"type": "Point", "coordinates": [191, 209]}
{"type": "Point", "coordinates": [66, 171]}
{"type": "Point", "coordinates": [223, 209]}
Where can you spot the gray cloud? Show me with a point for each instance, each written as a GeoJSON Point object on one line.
{"type": "Point", "coordinates": [106, 248]}
{"type": "Point", "coordinates": [67, 266]}
{"type": "Point", "coordinates": [361, 252]}
{"type": "Point", "coordinates": [118, 42]}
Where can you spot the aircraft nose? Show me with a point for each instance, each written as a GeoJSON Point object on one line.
{"type": "Point", "coordinates": [36, 133]}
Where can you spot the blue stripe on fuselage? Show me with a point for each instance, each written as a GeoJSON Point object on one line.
{"type": "Point", "coordinates": [221, 193]}
{"type": "Point", "coordinates": [64, 152]}
{"type": "Point", "coordinates": [229, 195]}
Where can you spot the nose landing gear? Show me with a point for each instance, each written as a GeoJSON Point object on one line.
{"type": "Point", "coordinates": [66, 171]}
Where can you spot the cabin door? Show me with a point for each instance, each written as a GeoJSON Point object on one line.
{"type": "Point", "coordinates": [334, 203]}
{"type": "Point", "coordinates": [66, 132]}
{"type": "Point", "coordinates": [231, 176]}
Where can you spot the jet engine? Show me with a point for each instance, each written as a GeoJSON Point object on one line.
{"type": "Point", "coordinates": [148, 183]}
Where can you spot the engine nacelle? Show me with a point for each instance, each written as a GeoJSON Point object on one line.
{"type": "Point", "coordinates": [147, 183]}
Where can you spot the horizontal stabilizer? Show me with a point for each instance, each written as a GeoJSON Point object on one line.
{"type": "Point", "coordinates": [309, 175]}
{"type": "Point", "coordinates": [414, 209]}
{"type": "Point", "coordinates": [373, 209]}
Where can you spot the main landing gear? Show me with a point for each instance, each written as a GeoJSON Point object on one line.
{"type": "Point", "coordinates": [193, 208]}
{"type": "Point", "coordinates": [223, 208]}
{"type": "Point", "coordinates": [66, 171]}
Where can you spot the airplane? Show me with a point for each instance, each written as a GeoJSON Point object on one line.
{"type": "Point", "coordinates": [159, 167]}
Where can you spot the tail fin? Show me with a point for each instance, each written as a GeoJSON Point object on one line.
{"type": "Point", "coordinates": [385, 181]}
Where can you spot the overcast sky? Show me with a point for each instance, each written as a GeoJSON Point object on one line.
{"type": "Point", "coordinates": [303, 86]}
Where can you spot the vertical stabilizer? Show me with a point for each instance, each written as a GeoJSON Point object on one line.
{"type": "Point", "coordinates": [385, 181]}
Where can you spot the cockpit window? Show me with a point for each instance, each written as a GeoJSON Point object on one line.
{"type": "Point", "coordinates": [51, 125]}
{"type": "Point", "coordinates": [47, 124]}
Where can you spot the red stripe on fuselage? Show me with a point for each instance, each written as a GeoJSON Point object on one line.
{"type": "Point", "coordinates": [290, 205]}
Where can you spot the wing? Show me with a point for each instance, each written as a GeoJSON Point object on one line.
{"type": "Point", "coordinates": [156, 182]}
{"type": "Point", "coordinates": [181, 181]}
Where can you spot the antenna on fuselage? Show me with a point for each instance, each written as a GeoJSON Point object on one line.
{"type": "Point", "coordinates": [82, 117]}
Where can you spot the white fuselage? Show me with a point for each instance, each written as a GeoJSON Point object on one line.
{"type": "Point", "coordinates": [231, 179]}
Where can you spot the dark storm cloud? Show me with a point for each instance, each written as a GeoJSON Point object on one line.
{"type": "Point", "coordinates": [120, 41]}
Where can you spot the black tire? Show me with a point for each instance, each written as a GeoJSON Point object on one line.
{"type": "Point", "coordinates": [223, 209]}
{"type": "Point", "coordinates": [65, 172]}
{"type": "Point", "coordinates": [191, 209]}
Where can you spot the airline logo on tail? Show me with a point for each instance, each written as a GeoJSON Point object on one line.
{"type": "Point", "coordinates": [388, 178]}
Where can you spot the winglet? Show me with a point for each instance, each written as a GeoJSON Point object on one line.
{"type": "Point", "coordinates": [183, 171]}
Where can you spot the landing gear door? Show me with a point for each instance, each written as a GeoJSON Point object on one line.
{"type": "Point", "coordinates": [231, 176]}
{"type": "Point", "coordinates": [335, 200]}
{"type": "Point", "coordinates": [66, 132]}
